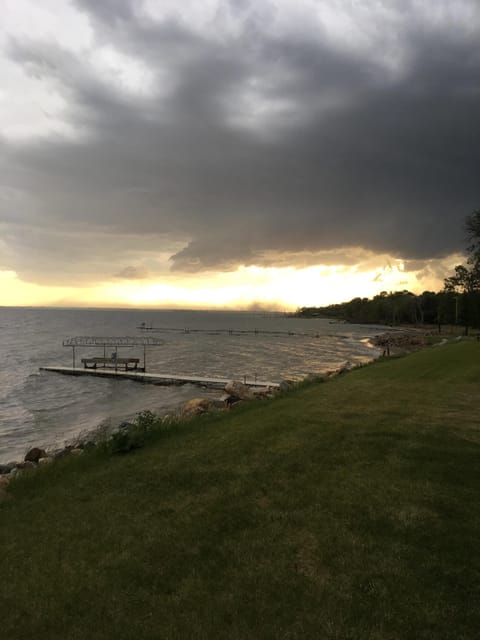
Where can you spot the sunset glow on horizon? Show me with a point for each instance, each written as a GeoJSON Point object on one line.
{"type": "Point", "coordinates": [285, 288]}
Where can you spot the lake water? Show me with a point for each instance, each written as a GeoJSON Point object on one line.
{"type": "Point", "coordinates": [48, 409]}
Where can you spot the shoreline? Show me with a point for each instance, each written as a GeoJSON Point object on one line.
{"type": "Point", "coordinates": [400, 342]}
{"type": "Point", "coordinates": [235, 393]}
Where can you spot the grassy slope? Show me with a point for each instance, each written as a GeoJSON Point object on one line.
{"type": "Point", "coordinates": [344, 510]}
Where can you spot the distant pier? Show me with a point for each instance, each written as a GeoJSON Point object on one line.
{"type": "Point", "coordinates": [228, 332]}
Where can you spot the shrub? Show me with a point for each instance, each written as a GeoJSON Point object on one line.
{"type": "Point", "coordinates": [132, 435]}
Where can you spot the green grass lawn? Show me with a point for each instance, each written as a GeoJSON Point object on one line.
{"type": "Point", "coordinates": [349, 509]}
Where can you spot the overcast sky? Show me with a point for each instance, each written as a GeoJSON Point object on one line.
{"type": "Point", "coordinates": [143, 140]}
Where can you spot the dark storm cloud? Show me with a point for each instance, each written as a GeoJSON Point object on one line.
{"type": "Point", "coordinates": [252, 142]}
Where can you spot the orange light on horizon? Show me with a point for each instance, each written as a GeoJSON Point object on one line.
{"type": "Point", "coordinates": [275, 287]}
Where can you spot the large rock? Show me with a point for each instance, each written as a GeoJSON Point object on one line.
{"type": "Point", "coordinates": [27, 464]}
{"type": "Point", "coordinates": [6, 468]}
{"type": "Point", "coordinates": [286, 385]}
{"type": "Point", "coordinates": [44, 461]}
{"type": "Point", "coordinates": [126, 426]}
{"type": "Point", "coordinates": [62, 451]}
{"type": "Point", "coordinates": [345, 368]}
{"type": "Point", "coordinates": [218, 403]}
{"type": "Point", "coordinates": [88, 445]}
{"type": "Point", "coordinates": [35, 454]}
{"type": "Point", "coordinates": [239, 390]}
{"type": "Point", "coordinates": [263, 392]}
{"type": "Point", "coordinates": [202, 405]}
{"type": "Point", "coordinates": [313, 377]}
{"type": "Point", "coordinates": [196, 406]}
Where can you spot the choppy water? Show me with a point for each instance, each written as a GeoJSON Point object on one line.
{"type": "Point", "coordinates": [41, 408]}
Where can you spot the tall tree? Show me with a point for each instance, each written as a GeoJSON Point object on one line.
{"type": "Point", "coordinates": [472, 225]}
{"type": "Point", "coordinates": [465, 283]}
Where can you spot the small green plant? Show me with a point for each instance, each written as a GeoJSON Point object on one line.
{"type": "Point", "coordinates": [132, 435]}
{"type": "Point", "coordinates": [147, 419]}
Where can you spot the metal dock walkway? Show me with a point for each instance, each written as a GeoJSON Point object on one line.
{"type": "Point", "coordinates": [158, 378]}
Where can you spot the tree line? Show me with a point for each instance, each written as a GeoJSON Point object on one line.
{"type": "Point", "coordinates": [457, 304]}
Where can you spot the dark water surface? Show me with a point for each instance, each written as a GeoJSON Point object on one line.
{"type": "Point", "coordinates": [41, 408]}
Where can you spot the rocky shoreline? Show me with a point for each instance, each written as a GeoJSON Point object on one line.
{"type": "Point", "coordinates": [236, 392]}
{"type": "Point", "coordinates": [394, 343]}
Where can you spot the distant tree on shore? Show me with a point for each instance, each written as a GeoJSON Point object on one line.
{"type": "Point", "coordinates": [464, 285]}
{"type": "Point", "coordinates": [397, 307]}
{"type": "Point", "coordinates": [458, 303]}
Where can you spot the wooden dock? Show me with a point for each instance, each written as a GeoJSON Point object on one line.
{"type": "Point", "coordinates": [158, 378]}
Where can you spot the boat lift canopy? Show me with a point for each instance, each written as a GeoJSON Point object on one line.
{"type": "Point", "coordinates": [113, 342]}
